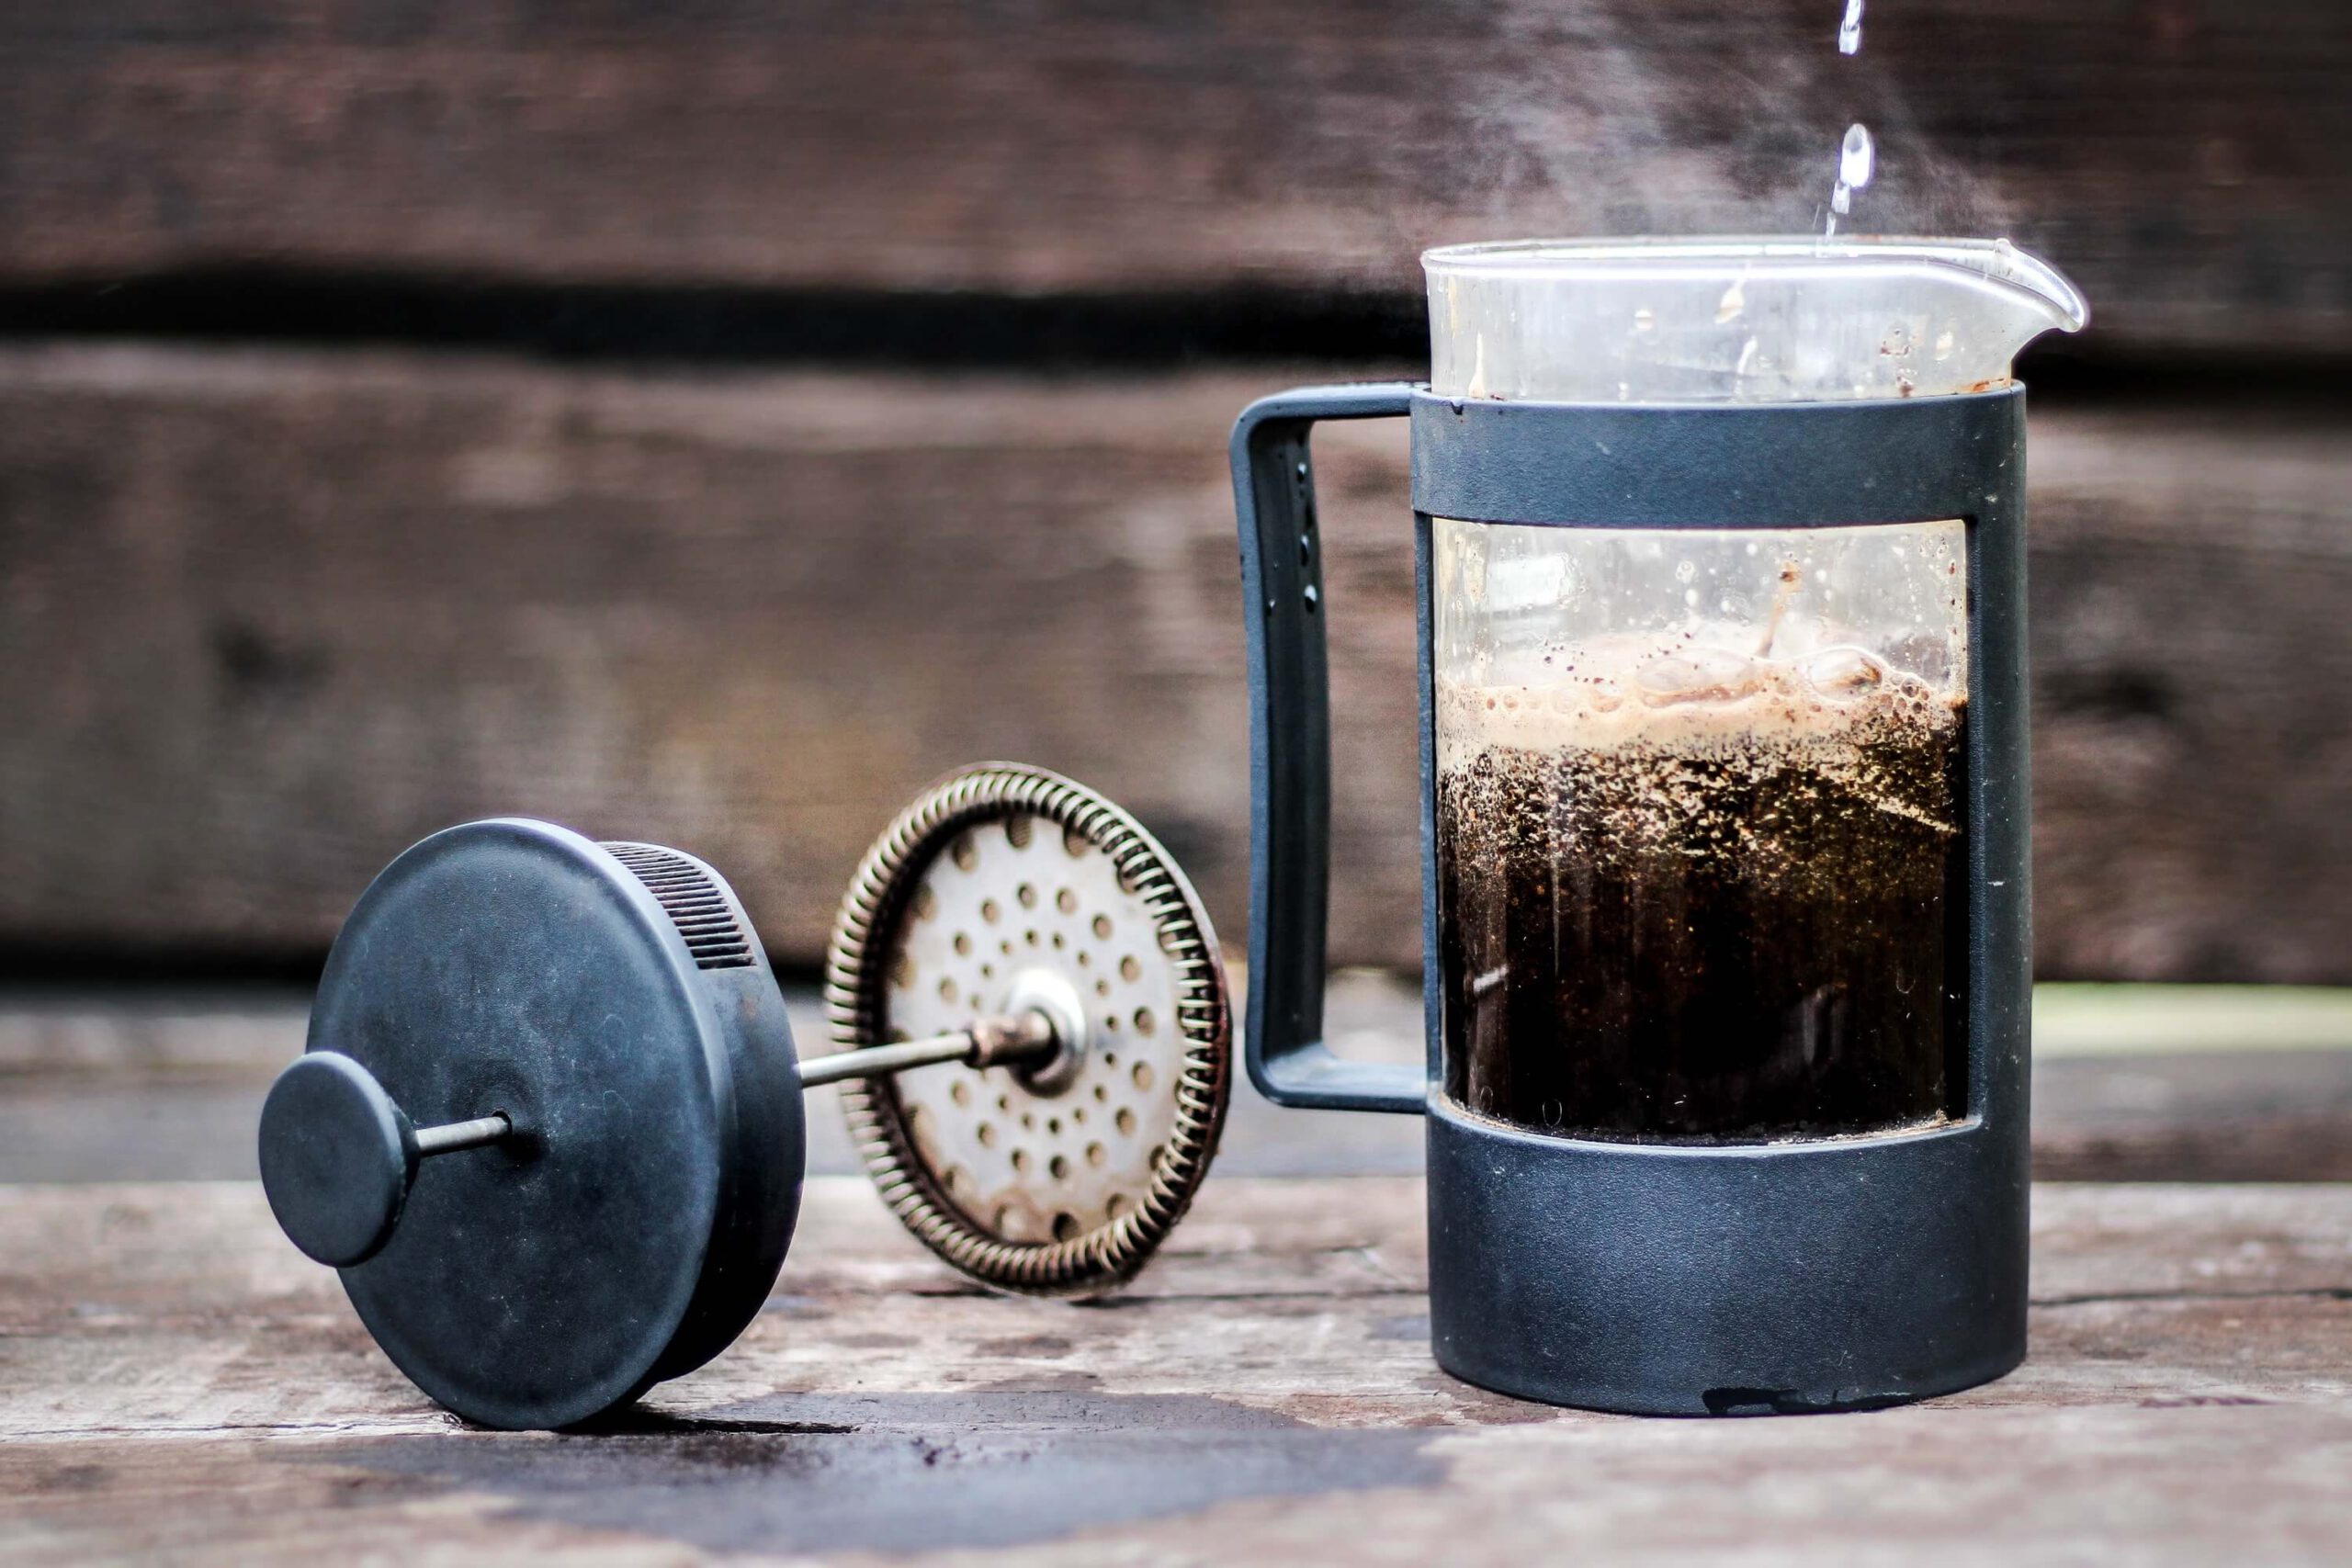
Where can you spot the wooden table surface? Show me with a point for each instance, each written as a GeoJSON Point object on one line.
{"type": "Point", "coordinates": [174, 1379]}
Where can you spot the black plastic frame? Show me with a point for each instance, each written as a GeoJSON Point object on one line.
{"type": "Point", "coordinates": [1669, 1279]}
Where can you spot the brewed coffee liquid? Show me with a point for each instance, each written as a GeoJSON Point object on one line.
{"type": "Point", "coordinates": [1721, 912]}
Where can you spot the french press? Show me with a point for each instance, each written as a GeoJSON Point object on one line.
{"type": "Point", "coordinates": [587, 1044]}
{"type": "Point", "coordinates": [1720, 558]}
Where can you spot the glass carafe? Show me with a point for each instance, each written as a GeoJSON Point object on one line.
{"type": "Point", "coordinates": [1725, 797]}
{"type": "Point", "coordinates": [1701, 851]}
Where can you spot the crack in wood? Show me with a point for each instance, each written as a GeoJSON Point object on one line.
{"type": "Point", "coordinates": [1125, 1303]}
{"type": "Point", "coordinates": [2318, 1293]}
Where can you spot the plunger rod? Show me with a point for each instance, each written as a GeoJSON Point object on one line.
{"type": "Point", "coordinates": [1018, 1037]}
{"type": "Point", "coordinates": [451, 1136]}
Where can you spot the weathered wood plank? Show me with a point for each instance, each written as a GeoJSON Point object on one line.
{"type": "Point", "coordinates": [2158, 547]}
{"type": "Point", "coordinates": [1162, 1483]}
{"type": "Point", "coordinates": [178, 1381]}
{"type": "Point", "coordinates": [2202, 1116]}
{"type": "Point", "coordinates": [272, 616]}
{"type": "Point", "coordinates": [2187, 162]}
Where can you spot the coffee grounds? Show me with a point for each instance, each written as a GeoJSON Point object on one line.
{"type": "Point", "coordinates": [1722, 921]}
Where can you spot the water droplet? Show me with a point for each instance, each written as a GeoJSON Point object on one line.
{"type": "Point", "coordinates": [1855, 157]}
{"type": "Point", "coordinates": [1849, 31]}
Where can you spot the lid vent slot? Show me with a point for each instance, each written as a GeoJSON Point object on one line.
{"type": "Point", "coordinates": [694, 902]}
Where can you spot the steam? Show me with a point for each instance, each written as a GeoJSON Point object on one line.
{"type": "Point", "coordinates": [1624, 119]}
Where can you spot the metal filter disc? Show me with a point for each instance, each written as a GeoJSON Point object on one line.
{"type": "Point", "coordinates": [1004, 887]}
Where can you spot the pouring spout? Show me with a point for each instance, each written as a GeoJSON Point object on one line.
{"type": "Point", "coordinates": [2046, 301]}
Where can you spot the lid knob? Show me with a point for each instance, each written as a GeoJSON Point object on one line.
{"type": "Point", "coordinates": [338, 1157]}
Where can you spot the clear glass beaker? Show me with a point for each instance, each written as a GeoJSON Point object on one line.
{"type": "Point", "coordinates": [1700, 852]}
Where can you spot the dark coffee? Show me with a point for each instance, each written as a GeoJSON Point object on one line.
{"type": "Point", "coordinates": [1733, 914]}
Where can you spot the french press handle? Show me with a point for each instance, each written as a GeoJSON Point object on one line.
{"type": "Point", "coordinates": [1290, 755]}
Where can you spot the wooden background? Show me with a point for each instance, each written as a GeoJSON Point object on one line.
{"type": "Point", "coordinates": [707, 421]}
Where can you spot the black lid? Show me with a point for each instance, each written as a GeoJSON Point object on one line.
{"type": "Point", "coordinates": [637, 1213]}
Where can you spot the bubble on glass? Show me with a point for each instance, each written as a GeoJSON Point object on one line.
{"type": "Point", "coordinates": [1697, 674]}
{"type": "Point", "coordinates": [1845, 673]}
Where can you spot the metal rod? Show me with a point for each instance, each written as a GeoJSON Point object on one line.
{"type": "Point", "coordinates": [986, 1042]}
{"type": "Point", "coordinates": [875, 1061]}
{"type": "Point", "coordinates": [451, 1136]}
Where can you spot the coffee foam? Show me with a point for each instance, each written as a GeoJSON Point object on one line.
{"type": "Point", "coordinates": [1681, 691]}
